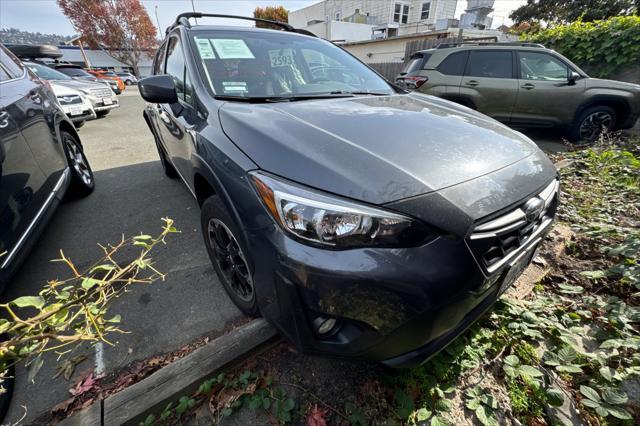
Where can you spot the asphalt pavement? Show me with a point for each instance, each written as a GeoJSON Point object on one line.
{"type": "Point", "coordinates": [131, 196]}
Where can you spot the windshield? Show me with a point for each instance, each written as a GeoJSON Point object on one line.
{"type": "Point", "coordinates": [47, 73]}
{"type": "Point", "coordinates": [75, 72]}
{"type": "Point", "coordinates": [263, 64]}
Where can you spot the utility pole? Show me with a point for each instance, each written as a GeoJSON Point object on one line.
{"type": "Point", "coordinates": [194, 9]}
{"type": "Point", "coordinates": [158, 21]}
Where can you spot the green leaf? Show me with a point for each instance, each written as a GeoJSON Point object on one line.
{"type": "Point", "coordinates": [611, 343]}
{"type": "Point", "coordinates": [590, 393]}
{"type": "Point", "coordinates": [89, 283]}
{"type": "Point", "coordinates": [266, 403]}
{"type": "Point", "coordinates": [614, 397]}
{"type": "Point", "coordinates": [619, 413]}
{"type": "Point", "coordinates": [555, 397]}
{"type": "Point", "coordinates": [115, 319]}
{"type": "Point", "coordinates": [443, 405]}
{"type": "Point", "coordinates": [607, 373]}
{"type": "Point", "coordinates": [4, 325]}
{"type": "Point", "coordinates": [486, 418]}
{"type": "Point", "coordinates": [527, 371]}
{"type": "Point", "coordinates": [29, 301]}
{"type": "Point", "coordinates": [422, 415]}
{"type": "Point", "coordinates": [439, 421]}
{"type": "Point", "coordinates": [473, 404]}
{"type": "Point", "coordinates": [567, 354]}
{"type": "Point", "coordinates": [142, 237]}
{"type": "Point", "coordinates": [512, 360]}
{"type": "Point", "coordinates": [105, 267]}
{"type": "Point", "coordinates": [574, 369]}
{"type": "Point", "coordinates": [289, 404]}
{"type": "Point", "coordinates": [589, 403]}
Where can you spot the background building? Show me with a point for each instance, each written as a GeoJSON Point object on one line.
{"type": "Point", "coordinates": [386, 18]}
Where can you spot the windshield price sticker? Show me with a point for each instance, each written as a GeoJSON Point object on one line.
{"type": "Point", "coordinates": [234, 86]}
{"type": "Point", "coordinates": [232, 48]}
{"type": "Point", "coordinates": [205, 49]}
{"type": "Point", "coordinates": [281, 58]}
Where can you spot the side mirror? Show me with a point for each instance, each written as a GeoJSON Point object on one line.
{"type": "Point", "coordinates": [573, 76]}
{"type": "Point", "coordinates": [158, 89]}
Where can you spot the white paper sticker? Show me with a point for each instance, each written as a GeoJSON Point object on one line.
{"type": "Point", "coordinates": [281, 57]}
{"type": "Point", "coordinates": [234, 86]}
{"type": "Point", "coordinates": [232, 48]}
{"type": "Point", "coordinates": [205, 49]}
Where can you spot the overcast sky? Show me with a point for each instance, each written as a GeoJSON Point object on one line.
{"type": "Point", "coordinates": [45, 15]}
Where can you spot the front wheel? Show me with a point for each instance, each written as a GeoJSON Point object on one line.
{"type": "Point", "coordinates": [592, 123]}
{"type": "Point", "coordinates": [128, 82]}
{"type": "Point", "coordinates": [229, 258]}
{"type": "Point", "coordinates": [82, 181]}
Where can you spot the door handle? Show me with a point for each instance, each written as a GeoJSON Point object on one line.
{"type": "Point", "coordinates": [472, 83]}
{"type": "Point", "coordinates": [4, 119]}
{"type": "Point", "coordinates": [528, 86]}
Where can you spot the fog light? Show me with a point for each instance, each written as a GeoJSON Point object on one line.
{"type": "Point", "coordinates": [326, 325]}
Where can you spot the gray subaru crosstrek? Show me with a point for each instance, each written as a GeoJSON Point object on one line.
{"type": "Point", "coordinates": [524, 85]}
{"type": "Point", "coordinates": [359, 219]}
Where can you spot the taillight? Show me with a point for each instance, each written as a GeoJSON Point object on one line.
{"type": "Point", "coordinates": [415, 81]}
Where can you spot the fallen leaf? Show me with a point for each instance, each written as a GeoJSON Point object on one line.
{"type": "Point", "coordinates": [69, 366]}
{"type": "Point", "coordinates": [63, 406]}
{"type": "Point", "coordinates": [317, 416]}
{"type": "Point", "coordinates": [84, 385]}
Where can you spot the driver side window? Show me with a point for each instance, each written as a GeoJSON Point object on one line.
{"type": "Point", "coordinates": [176, 67]}
{"type": "Point", "coordinates": [541, 66]}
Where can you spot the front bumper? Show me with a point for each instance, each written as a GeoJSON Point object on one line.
{"type": "Point", "coordinates": [396, 306]}
{"type": "Point", "coordinates": [79, 112]}
{"type": "Point", "coordinates": [102, 104]}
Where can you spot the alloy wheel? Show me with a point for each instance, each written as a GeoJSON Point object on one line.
{"type": "Point", "coordinates": [594, 124]}
{"type": "Point", "coordinates": [230, 259]}
{"type": "Point", "coordinates": [79, 162]}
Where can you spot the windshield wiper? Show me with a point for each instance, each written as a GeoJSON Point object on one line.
{"type": "Point", "coordinates": [292, 98]}
{"type": "Point", "coordinates": [297, 97]}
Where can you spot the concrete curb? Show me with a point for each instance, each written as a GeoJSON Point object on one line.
{"type": "Point", "coordinates": [133, 404]}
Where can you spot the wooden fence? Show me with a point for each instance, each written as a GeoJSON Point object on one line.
{"type": "Point", "coordinates": [388, 70]}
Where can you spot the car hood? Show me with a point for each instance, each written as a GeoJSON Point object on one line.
{"type": "Point", "coordinates": [614, 84]}
{"type": "Point", "coordinates": [79, 84]}
{"type": "Point", "coordinates": [376, 149]}
{"type": "Point", "coordinates": [62, 90]}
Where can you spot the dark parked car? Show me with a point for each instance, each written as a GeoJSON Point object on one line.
{"type": "Point", "coordinates": [41, 156]}
{"type": "Point", "coordinates": [524, 85]}
{"type": "Point", "coordinates": [361, 220]}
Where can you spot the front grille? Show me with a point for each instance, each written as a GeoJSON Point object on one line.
{"type": "Point", "coordinates": [498, 240]}
{"type": "Point", "coordinates": [69, 100]}
{"type": "Point", "coordinates": [102, 92]}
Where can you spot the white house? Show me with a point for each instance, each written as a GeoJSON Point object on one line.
{"type": "Point", "coordinates": [387, 18]}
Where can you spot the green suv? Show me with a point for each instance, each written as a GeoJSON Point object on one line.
{"type": "Point", "coordinates": [524, 85]}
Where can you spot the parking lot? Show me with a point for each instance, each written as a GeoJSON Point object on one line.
{"type": "Point", "coordinates": [131, 196]}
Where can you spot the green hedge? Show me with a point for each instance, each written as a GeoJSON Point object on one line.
{"type": "Point", "coordinates": [601, 46]}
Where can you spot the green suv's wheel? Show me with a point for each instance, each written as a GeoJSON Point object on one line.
{"type": "Point", "coordinates": [592, 123]}
{"type": "Point", "coordinates": [228, 256]}
{"type": "Point", "coordinates": [82, 181]}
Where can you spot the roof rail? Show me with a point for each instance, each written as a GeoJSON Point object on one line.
{"type": "Point", "coordinates": [183, 19]}
{"type": "Point", "coordinates": [471, 43]}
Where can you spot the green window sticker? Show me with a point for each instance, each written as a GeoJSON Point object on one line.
{"type": "Point", "coordinates": [205, 49]}
{"type": "Point", "coordinates": [232, 48]}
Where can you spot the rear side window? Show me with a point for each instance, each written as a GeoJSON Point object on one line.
{"type": "Point", "coordinates": [416, 62]}
{"type": "Point", "coordinates": [490, 64]}
{"type": "Point", "coordinates": [453, 64]}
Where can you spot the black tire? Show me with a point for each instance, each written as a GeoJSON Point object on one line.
{"type": "Point", "coordinates": [591, 122]}
{"type": "Point", "coordinates": [168, 168]}
{"type": "Point", "coordinates": [128, 82]}
{"type": "Point", "coordinates": [103, 113]}
{"type": "Point", "coordinates": [79, 124]}
{"type": "Point", "coordinates": [82, 180]}
{"type": "Point", "coordinates": [228, 255]}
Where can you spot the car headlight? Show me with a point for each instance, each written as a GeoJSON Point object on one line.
{"type": "Point", "coordinates": [332, 221]}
